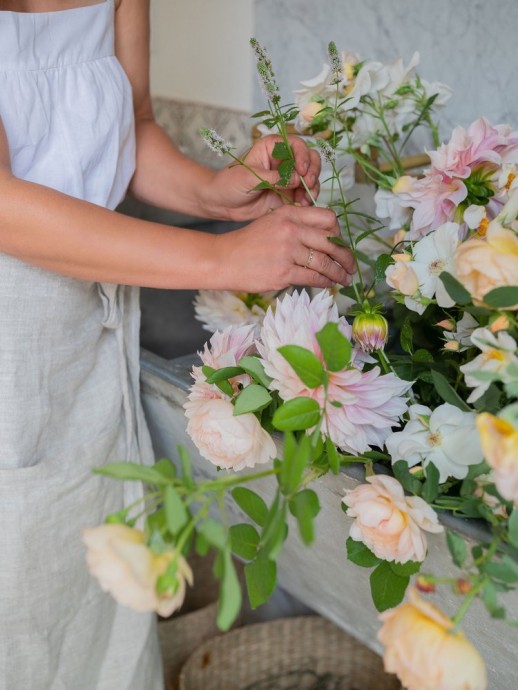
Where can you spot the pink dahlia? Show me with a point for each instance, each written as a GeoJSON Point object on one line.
{"type": "Point", "coordinates": [367, 404]}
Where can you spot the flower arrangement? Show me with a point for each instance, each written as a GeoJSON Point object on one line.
{"type": "Point", "coordinates": [424, 397]}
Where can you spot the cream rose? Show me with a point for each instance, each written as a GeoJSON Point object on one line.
{"type": "Point", "coordinates": [483, 264]}
{"type": "Point", "coordinates": [118, 557]}
{"type": "Point", "coordinates": [309, 111]}
{"type": "Point", "coordinates": [389, 523]}
{"type": "Point", "coordinates": [423, 650]}
{"type": "Point", "coordinates": [225, 440]}
{"type": "Point", "coordinates": [499, 440]}
{"type": "Point", "coordinates": [401, 276]}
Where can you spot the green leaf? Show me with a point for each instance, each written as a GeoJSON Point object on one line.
{"type": "Point", "coordinates": [274, 537]}
{"type": "Point", "coordinates": [130, 471]}
{"type": "Point", "coordinates": [254, 367]}
{"type": "Point", "coordinates": [185, 462]}
{"type": "Point", "coordinates": [457, 547]}
{"type": "Point", "coordinates": [336, 349]}
{"type": "Point", "coordinates": [406, 336]}
{"type": "Point", "coordinates": [306, 365]}
{"type": "Point", "coordinates": [422, 356]}
{"type": "Point", "coordinates": [224, 374]}
{"type": "Point", "coordinates": [513, 527]}
{"type": "Point", "coordinates": [201, 545]}
{"type": "Point", "coordinates": [214, 533]}
{"type": "Point", "coordinates": [431, 486]}
{"type": "Point", "coordinates": [263, 185]}
{"type": "Point", "coordinates": [405, 478]}
{"type": "Point", "coordinates": [285, 171]}
{"type": "Point", "coordinates": [382, 263]}
{"type": "Point", "coordinates": [251, 399]}
{"type": "Point", "coordinates": [455, 290]}
{"type": "Point", "coordinates": [305, 506]}
{"type": "Point", "coordinates": [297, 414]}
{"type": "Point", "coordinates": [447, 393]}
{"type": "Point", "coordinates": [332, 456]}
{"type": "Point", "coordinates": [405, 569]}
{"type": "Point", "coordinates": [294, 463]}
{"type": "Point", "coordinates": [505, 570]}
{"type": "Point", "coordinates": [165, 467]}
{"type": "Point", "coordinates": [244, 540]}
{"type": "Point", "coordinates": [359, 554]}
{"type": "Point", "coordinates": [229, 595]}
{"type": "Point", "coordinates": [489, 597]}
{"type": "Point", "coordinates": [261, 578]}
{"type": "Point", "coordinates": [502, 297]}
{"type": "Point", "coordinates": [387, 588]}
{"type": "Point", "coordinates": [251, 504]}
{"type": "Point", "coordinates": [281, 151]}
{"type": "Point", "coordinates": [176, 514]}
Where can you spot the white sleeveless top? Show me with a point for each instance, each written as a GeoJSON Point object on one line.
{"type": "Point", "coordinates": [69, 352]}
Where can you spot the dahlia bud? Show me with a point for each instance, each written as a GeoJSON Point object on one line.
{"type": "Point", "coordinates": [370, 330]}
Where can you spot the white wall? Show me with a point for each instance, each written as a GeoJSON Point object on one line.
{"type": "Point", "coordinates": [200, 51]}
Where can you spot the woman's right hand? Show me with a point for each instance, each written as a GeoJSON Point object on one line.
{"type": "Point", "coordinates": [288, 246]}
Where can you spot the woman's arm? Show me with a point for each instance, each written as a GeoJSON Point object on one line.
{"type": "Point", "coordinates": [166, 178]}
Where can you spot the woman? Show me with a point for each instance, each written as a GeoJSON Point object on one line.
{"type": "Point", "coordinates": [76, 131]}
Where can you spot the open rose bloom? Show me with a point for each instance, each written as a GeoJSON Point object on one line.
{"type": "Point", "coordinates": [426, 653]}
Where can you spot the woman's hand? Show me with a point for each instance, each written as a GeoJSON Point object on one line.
{"type": "Point", "coordinates": [232, 188]}
{"type": "Point", "coordinates": [288, 246]}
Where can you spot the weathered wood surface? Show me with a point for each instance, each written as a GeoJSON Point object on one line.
{"type": "Point", "coordinates": [321, 576]}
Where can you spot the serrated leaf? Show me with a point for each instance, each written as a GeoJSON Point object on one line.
{"type": "Point", "coordinates": [305, 364]}
{"type": "Point", "coordinates": [430, 489]}
{"type": "Point", "coordinates": [176, 514]}
{"type": "Point", "coordinates": [285, 171]}
{"type": "Point", "coordinates": [405, 569]}
{"type": "Point", "coordinates": [263, 185]}
{"type": "Point", "coordinates": [261, 579]}
{"type": "Point", "coordinates": [456, 290]}
{"type": "Point", "coordinates": [387, 588]}
{"type": "Point", "coordinates": [230, 596]}
{"type": "Point", "coordinates": [251, 399]}
{"type": "Point", "coordinates": [382, 263]}
{"type": "Point", "coordinates": [305, 506]}
{"type": "Point", "coordinates": [244, 540]}
{"type": "Point", "coordinates": [457, 547]}
{"type": "Point", "coordinates": [359, 554]}
{"type": "Point", "coordinates": [281, 151]}
{"type": "Point", "coordinates": [447, 392]}
{"type": "Point", "coordinates": [251, 504]}
{"type": "Point", "coordinates": [297, 414]}
{"type": "Point", "coordinates": [254, 367]}
{"type": "Point", "coordinates": [336, 349]}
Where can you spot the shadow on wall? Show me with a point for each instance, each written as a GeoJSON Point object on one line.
{"type": "Point", "coordinates": [168, 327]}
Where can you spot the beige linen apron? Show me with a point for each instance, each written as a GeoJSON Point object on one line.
{"type": "Point", "coordinates": [69, 351]}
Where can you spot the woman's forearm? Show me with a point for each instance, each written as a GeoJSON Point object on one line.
{"type": "Point", "coordinates": [41, 226]}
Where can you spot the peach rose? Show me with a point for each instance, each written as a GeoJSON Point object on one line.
{"type": "Point", "coordinates": [118, 557]}
{"type": "Point", "coordinates": [308, 112]}
{"type": "Point", "coordinates": [389, 523]}
{"type": "Point", "coordinates": [499, 441]}
{"type": "Point", "coordinates": [401, 276]}
{"type": "Point", "coordinates": [424, 651]}
{"type": "Point", "coordinates": [227, 441]}
{"type": "Point", "coordinates": [488, 263]}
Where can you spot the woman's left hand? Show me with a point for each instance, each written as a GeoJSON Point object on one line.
{"type": "Point", "coordinates": [233, 187]}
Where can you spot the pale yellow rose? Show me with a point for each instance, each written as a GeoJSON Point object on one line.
{"type": "Point", "coordinates": [499, 441]}
{"type": "Point", "coordinates": [401, 276]}
{"type": "Point", "coordinates": [310, 110]}
{"type": "Point", "coordinates": [483, 264]}
{"type": "Point", "coordinates": [118, 557]}
{"type": "Point", "coordinates": [229, 441]}
{"type": "Point", "coordinates": [389, 523]}
{"type": "Point", "coordinates": [424, 651]}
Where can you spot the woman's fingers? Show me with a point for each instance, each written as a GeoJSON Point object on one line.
{"type": "Point", "coordinates": [314, 261]}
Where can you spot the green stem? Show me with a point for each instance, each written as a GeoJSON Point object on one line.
{"type": "Point", "coordinates": [271, 187]}
{"type": "Point", "coordinates": [469, 599]}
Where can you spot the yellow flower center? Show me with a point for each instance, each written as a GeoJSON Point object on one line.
{"type": "Point", "coordinates": [493, 354]}
{"type": "Point", "coordinates": [482, 228]}
{"type": "Point", "coordinates": [437, 266]}
{"type": "Point", "coordinates": [435, 438]}
{"type": "Point", "coordinates": [510, 179]}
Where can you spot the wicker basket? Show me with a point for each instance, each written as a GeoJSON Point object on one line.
{"type": "Point", "coordinates": [306, 653]}
{"type": "Point", "coordinates": [195, 623]}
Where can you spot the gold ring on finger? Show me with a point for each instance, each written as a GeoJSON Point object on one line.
{"type": "Point", "coordinates": [310, 258]}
